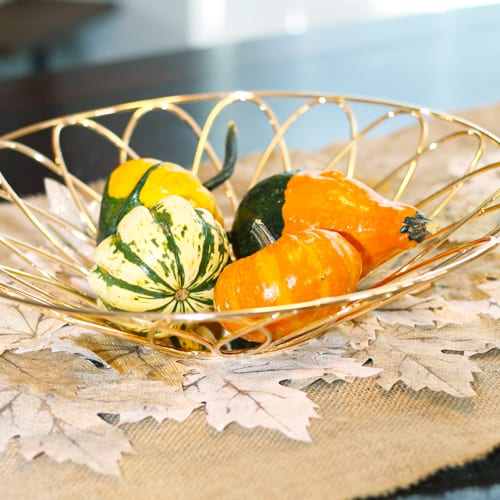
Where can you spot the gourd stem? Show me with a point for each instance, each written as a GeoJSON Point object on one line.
{"type": "Point", "coordinates": [261, 233]}
{"type": "Point", "coordinates": [229, 160]}
{"type": "Point", "coordinates": [417, 226]}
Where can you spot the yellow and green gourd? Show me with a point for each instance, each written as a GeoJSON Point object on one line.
{"type": "Point", "coordinates": [163, 258]}
{"type": "Point", "coordinates": [145, 181]}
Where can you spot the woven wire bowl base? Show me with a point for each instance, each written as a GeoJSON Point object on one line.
{"type": "Point", "coordinates": [48, 246]}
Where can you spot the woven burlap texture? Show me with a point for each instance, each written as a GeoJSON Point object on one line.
{"type": "Point", "coordinates": [367, 442]}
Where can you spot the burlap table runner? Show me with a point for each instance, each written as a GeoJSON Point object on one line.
{"type": "Point", "coordinates": [367, 442]}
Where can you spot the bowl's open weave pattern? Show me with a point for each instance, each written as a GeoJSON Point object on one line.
{"type": "Point", "coordinates": [50, 271]}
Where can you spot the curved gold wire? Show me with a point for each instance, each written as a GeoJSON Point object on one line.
{"type": "Point", "coordinates": [194, 127]}
{"type": "Point", "coordinates": [46, 162]}
{"type": "Point", "coordinates": [56, 281]}
{"type": "Point", "coordinates": [280, 132]}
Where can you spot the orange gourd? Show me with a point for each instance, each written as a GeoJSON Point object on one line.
{"type": "Point", "coordinates": [298, 267]}
{"type": "Point", "coordinates": [293, 201]}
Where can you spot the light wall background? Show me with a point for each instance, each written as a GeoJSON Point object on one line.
{"type": "Point", "coordinates": [140, 28]}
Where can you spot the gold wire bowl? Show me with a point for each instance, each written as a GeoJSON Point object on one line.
{"type": "Point", "coordinates": [49, 271]}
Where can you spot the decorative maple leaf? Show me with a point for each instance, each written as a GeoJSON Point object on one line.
{"type": "Point", "coordinates": [492, 289]}
{"type": "Point", "coordinates": [61, 203]}
{"type": "Point", "coordinates": [250, 391]}
{"type": "Point", "coordinates": [415, 312]}
{"type": "Point", "coordinates": [70, 432]}
{"type": "Point", "coordinates": [132, 359]}
{"type": "Point", "coordinates": [425, 311]}
{"type": "Point", "coordinates": [65, 339]}
{"type": "Point", "coordinates": [241, 392]}
{"type": "Point", "coordinates": [45, 373]}
{"type": "Point", "coordinates": [38, 406]}
{"type": "Point", "coordinates": [150, 399]}
{"type": "Point", "coordinates": [402, 338]}
{"type": "Point", "coordinates": [479, 308]}
{"type": "Point", "coordinates": [421, 359]}
{"type": "Point", "coordinates": [25, 329]}
{"type": "Point", "coordinates": [321, 359]}
{"type": "Point", "coordinates": [360, 332]}
{"type": "Point", "coordinates": [52, 403]}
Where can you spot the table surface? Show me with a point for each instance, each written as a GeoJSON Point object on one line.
{"type": "Point", "coordinates": [444, 61]}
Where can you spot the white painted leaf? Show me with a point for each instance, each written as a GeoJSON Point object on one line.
{"type": "Point", "coordinates": [25, 329]}
{"type": "Point", "coordinates": [65, 339]}
{"type": "Point", "coordinates": [425, 311]}
{"type": "Point", "coordinates": [241, 392]}
{"type": "Point", "coordinates": [135, 400]}
{"type": "Point", "coordinates": [76, 433]}
{"type": "Point", "coordinates": [132, 359]}
{"type": "Point", "coordinates": [39, 406]}
{"type": "Point", "coordinates": [422, 360]}
{"type": "Point", "coordinates": [485, 307]}
{"type": "Point", "coordinates": [47, 373]}
{"type": "Point", "coordinates": [316, 361]}
{"type": "Point", "coordinates": [492, 289]}
{"type": "Point", "coordinates": [21, 415]}
{"type": "Point", "coordinates": [360, 332]}
{"type": "Point", "coordinates": [62, 204]}
{"type": "Point", "coordinates": [251, 391]}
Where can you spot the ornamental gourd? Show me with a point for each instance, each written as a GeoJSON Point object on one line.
{"type": "Point", "coordinates": [292, 201]}
{"type": "Point", "coordinates": [164, 258]}
{"type": "Point", "coordinates": [145, 181]}
{"type": "Point", "coordinates": [299, 267]}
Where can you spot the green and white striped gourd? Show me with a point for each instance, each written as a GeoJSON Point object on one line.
{"type": "Point", "coordinates": [164, 258]}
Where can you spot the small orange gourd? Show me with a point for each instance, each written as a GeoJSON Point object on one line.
{"type": "Point", "coordinates": [289, 202]}
{"type": "Point", "coordinates": [295, 268]}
